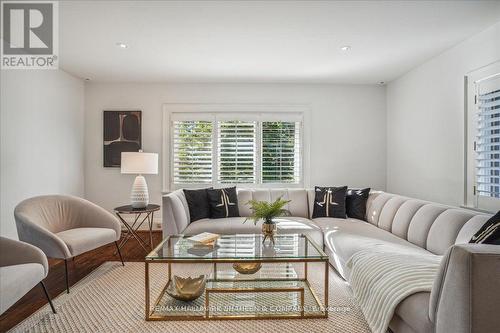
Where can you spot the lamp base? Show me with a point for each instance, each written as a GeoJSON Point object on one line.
{"type": "Point", "coordinates": [139, 197]}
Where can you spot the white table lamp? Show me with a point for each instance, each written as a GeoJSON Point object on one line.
{"type": "Point", "coordinates": [139, 163]}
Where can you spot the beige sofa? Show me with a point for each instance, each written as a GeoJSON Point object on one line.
{"type": "Point", "coordinates": [176, 215]}
{"type": "Point", "coordinates": [466, 292]}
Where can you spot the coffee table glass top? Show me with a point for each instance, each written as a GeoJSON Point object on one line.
{"type": "Point", "coordinates": [244, 247]}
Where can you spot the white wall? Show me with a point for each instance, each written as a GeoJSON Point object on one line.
{"type": "Point", "coordinates": [425, 121]}
{"type": "Point", "coordinates": [347, 144]}
{"type": "Point", "coordinates": [41, 138]}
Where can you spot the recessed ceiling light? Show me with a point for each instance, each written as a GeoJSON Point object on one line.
{"type": "Point", "coordinates": [381, 83]}
{"type": "Point", "coordinates": [122, 45]}
{"type": "Point", "coordinates": [345, 48]}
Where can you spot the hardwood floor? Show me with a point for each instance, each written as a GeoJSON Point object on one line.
{"type": "Point", "coordinates": [78, 269]}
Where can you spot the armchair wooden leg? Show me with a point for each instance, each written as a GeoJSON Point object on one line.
{"type": "Point", "coordinates": [48, 297]}
{"type": "Point", "coordinates": [66, 273]}
{"type": "Point", "coordinates": [119, 253]}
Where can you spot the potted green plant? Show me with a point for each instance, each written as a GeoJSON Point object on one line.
{"type": "Point", "coordinates": [267, 211]}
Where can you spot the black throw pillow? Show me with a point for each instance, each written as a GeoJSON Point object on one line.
{"type": "Point", "coordinates": [329, 202]}
{"type": "Point", "coordinates": [223, 203]}
{"type": "Point", "coordinates": [355, 203]}
{"type": "Point", "coordinates": [489, 232]}
{"type": "Point", "coordinates": [198, 205]}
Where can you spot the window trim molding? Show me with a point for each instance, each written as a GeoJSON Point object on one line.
{"type": "Point", "coordinates": [217, 108]}
{"type": "Point", "coordinates": [472, 77]}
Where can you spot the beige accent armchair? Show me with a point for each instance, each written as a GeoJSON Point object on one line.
{"type": "Point", "coordinates": [22, 266]}
{"type": "Point", "coordinates": [65, 226]}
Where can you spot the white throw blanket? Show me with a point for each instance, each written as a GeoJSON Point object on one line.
{"type": "Point", "coordinates": [383, 275]}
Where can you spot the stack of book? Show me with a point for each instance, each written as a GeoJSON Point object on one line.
{"type": "Point", "coordinates": [204, 239]}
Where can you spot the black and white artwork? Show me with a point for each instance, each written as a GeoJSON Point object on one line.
{"type": "Point", "coordinates": [122, 133]}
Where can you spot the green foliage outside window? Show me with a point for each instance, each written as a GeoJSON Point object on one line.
{"type": "Point", "coordinates": [236, 148]}
{"type": "Point", "coordinates": [278, 152]}
{"type": "Point", "coordinates": [193, 152]}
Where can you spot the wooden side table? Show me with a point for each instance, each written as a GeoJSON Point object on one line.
{"type": "Point", "coordinates": [141, 215]}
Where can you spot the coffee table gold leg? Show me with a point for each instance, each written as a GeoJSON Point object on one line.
{"type": "Point", "coordinates": [327, 274]}
{"type": "Point", "coordinates": [169, 272]}
{"type": "Point", "coordinates": [206, 304]}
{"type": "Point", "coordinates": [146, 279]}
{"type": "Point", "coordinates": [305, 263]}
{"type": "Point", "coordinates": [302, 303]}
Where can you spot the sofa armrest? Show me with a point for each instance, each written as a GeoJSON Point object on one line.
{"type": "Point", "coordinates": [465, 296]}
{"type": "Point", "coordinates": [13, 252]}
{"type": "Point", "coordinates": [175, 213]}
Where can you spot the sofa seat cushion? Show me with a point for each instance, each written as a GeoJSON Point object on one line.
{"type": "Point", "coordinates": [17, 280]}
{"type": "Point", "coordinates": [344, 237]}
{"type": "Point", "coordinates": [235, 225]}
{"type": "Point", "coordinates": [81, 240]}
{"type": "Point", "coordinates": [414, 312]}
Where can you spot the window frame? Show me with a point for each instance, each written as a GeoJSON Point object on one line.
{"type": "Point", "coordinates": [215, 112]}
{"type": "Point", "coordinates": [471, 197]}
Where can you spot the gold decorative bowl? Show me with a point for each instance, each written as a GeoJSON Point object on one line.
{"type": "Point", "coordinates": [186, 289]}
{"type": "Point", "coordinates": [247, 267]}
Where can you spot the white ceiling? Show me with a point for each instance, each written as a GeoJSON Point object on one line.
{"type": "Point", "coordinates": [262, 41]}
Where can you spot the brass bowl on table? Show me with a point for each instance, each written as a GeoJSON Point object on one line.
{"type": "Point", "coordinates": [247, 267]}
{"type": "Point", "coordinates": [186, 289]}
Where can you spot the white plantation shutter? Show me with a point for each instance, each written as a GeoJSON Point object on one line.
{"type": "Point", "coordinates": [221, 147]}
{"type": "Point", "coordinates": [281, 152]}
{"type": "Point", "coordinates": [236, 151]}
{"type": "Point", "coordinates": [488, 139]}
{"type": "Point", "coordinates": [192, 152]}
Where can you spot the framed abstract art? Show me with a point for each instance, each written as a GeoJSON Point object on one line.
{"type": "Point", "coordinates": [121, 133]}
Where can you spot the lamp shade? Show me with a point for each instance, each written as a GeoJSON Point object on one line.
{"type": "Point", "coordinates": [139, 163]}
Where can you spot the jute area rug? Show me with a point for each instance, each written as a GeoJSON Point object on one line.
{"type": "Point", "coordinates": [111, 299]}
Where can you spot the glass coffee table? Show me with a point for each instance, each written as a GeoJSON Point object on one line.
{"type": "Point", "coordinates": [281, 288]}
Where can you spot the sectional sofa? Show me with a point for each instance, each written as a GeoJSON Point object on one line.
{"type": "Point", "coordinates": [466, 293]}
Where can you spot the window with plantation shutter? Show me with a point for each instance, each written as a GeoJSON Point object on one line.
{"type": "Point", "coordinates": [483, 139]}
{"type": "Point", "coordinates": [236, 152]}
{"type": "Point", "coordinates": [220, 148]}
{"type": "Point", "coordinates": [280, 152]}
{"type": "Point", "coordinates": [488, 143]}
{"type": "Point", "coordinates": [192, 152]}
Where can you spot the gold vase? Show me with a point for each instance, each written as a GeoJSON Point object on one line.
{"type": "Point", "coordinates": [268, 230]}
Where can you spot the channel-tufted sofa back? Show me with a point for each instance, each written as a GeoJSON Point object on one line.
{"type": "Point", "coordinates": [432, 226]}
{"type": "Point", "coordinates": [297, 205]}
